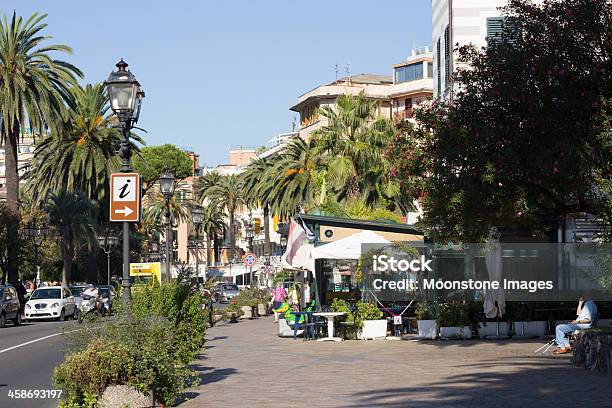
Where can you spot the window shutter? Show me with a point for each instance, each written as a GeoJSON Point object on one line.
{"type": "Point", "coordinates": [438, 79]}
{"type": "Point", "coordinates": [495, 28]}
{"type": "Point", "coordinates": [447, 56]}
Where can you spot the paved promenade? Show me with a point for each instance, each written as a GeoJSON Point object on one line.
{"type": "Point", "coordinates": [247, 365]}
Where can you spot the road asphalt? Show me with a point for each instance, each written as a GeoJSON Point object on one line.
{"type": "Point", "coordinates": [28, 355]}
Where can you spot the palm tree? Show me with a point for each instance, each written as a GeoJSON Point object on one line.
{"type": "Point", "coordinates": [212, 223]}
{"type": "Point", "coordinates": [205, 183]}
{"type": "Point", "coordinates": [226, 193]}
{"type": "Point", "coordinates": [258, 184]}
{"type": "Point", "coordinates": [294, 178]}
{"type": "Point", "coordinates": [33, 90]}
{"type": "Point", "coordinates": [155, 211]}
{"type": "Point", "coordinates": [72, 213]}
{"type": "Point", "coordinates": [83, 155]}
{"type": "Point", "coordinates": [354, 139]}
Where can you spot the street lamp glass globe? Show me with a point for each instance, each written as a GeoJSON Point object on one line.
{"type": "Point", "coordinates": [102, 240]}
{"type": "Point", "coordinates": [44, 230]}
{"type": "Point", "coordinates": [197, 215]}
{"type": "Point", "coordinates": [166, 183]}
{"type": "Point", "coordinates": [30, 230]}
{"type": "Point", "coordinates": [122, 89]}
{"type": "Point", "coordinates": [113, 240]}
{"type": "Point", "coordinates": [249, 230]}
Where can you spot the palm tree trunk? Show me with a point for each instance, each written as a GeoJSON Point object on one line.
{"type": "Point", "coordinates": [216, 247]}
{"type": "Point", "coordinates": [12, 201]}
{"type": "Point", "coordinates": [232, 235]}
{"type": "Point", "coordinates": [266, 215]}
{"type": "Point", "coordinates": [208, 248]}
{"type": "Point", "coordinates": [66, 258]}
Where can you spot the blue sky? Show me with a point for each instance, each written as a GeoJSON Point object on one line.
{"type": "Point", "coordinates": [223, 73]}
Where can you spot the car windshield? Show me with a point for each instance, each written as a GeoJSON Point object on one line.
{"type": "Point", "coordinates": [76, 292]}
{"type": "Point", "coordinates": [230, 287]}
{"type": "Point", "coordinates": [47, 294]}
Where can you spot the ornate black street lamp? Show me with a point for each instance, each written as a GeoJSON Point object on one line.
{"type": "Point", "coordinates": [197, 217]}
{"type": "Point", "coordinates": [166, 186]}
{"type": "Point", "coordinates": [125, 98]}
{"type": "Point", "coordinates": [107, 242]}
{"type": "Point", "coordinates": [37, 233]}
{"type": "Point", "coordinates": [249, 236]}
{"type": "Point", "coordinates": [283, 231]}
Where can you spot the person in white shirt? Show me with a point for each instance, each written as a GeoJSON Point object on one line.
{"type": "Point", "coordinates": [586, 315]}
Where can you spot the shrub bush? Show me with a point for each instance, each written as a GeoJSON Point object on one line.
{"type": "Point", "coordinates": [91, 370]}
{"type": "Point", "coordinates": [181, 308]}
{"type": "Point", "coordinates": [454, 315]}
{"type": "Point", "coordinates": [148, 348]}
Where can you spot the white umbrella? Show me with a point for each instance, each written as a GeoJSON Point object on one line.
{"type": "Point", "coordinates": [349, 247]}
{"type": "Point", "coordinates": [495, 299]}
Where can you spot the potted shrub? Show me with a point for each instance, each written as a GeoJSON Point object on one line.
{"type": "Point", "coordinates": [247, 302]}
{"type": "Point", "coordinates": [262, 305]}
{"type": "Point", "coordinates": [426, 321]}
{"type": "Point", "coordinates": [232, 313]}
{"type": "Point", "coordinates": [347, 322]}
{"type": "Point", "coordinates": [454, 321]}
{"type": "Point", "coordinates": [368, 321]}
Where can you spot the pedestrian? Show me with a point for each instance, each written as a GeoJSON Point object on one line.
{"type": "Point", "coordinates": [21, 292]}
{"type": "Point", "coordinates": [294, 294]}
{"type": "Point", "coordinates": [307, 294]}
{"type": "Point", "coordinates": [279, 294]}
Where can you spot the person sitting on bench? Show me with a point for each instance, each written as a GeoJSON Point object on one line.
{"type": "Point", "coordinates": [586, 312]}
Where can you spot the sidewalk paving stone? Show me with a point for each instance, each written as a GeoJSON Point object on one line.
{"type": "Point", "coordinates": [247, 365]}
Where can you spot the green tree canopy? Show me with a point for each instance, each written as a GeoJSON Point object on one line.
{"type": "Point", "coordinates": [34, 88]}
{"type": "Point", "coordinates": [527, 138]}
{"type": "Point", "coordinates": [153, 160]}
{"type": "Point", "coordinates": [72, 214]}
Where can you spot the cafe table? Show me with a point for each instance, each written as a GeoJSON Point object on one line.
{"type": "Point", "coordinates": [330, 316]}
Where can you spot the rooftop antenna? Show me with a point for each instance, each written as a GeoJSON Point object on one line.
{"type": "Point", "coordinates": [348, 73]}
{"type": "Point", "coordinates": [337, 70]}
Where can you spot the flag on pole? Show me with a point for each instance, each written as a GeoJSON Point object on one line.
{"type": "Point", "coordinates": [295, 239]}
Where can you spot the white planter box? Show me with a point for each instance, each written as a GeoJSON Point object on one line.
{"type": "Point", "coordinates": [262, 310]}
{"type": "Point", "coordinates": [534, 328]}
{"type": "Point", "coordinates": [247, 312]}
{"type": "Point", "coordinates": [455, 332]}
{"type": "Point", "coordinates": [373, 329]}
{"type": "Point", "coordinates": [428, 329]}
{"type": "Point", "coordinates": [491, 329]}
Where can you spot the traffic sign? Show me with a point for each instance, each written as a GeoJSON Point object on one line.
{"type": "Point", "coordinates": [250, 259]}
{"type": "Point", "coordinates": [125, 197]}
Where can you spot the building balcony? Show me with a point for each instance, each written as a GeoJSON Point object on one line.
{"type": "Point", "coordinates": [402, 115]}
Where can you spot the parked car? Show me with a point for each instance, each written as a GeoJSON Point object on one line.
{"type": "Point", "coordinates": [108, 301]}
{"type": "Point", "coordinates": [53, 302]}
{"type": "Point", "coordinates": [225, 292]}
{"type": "Point", "coordinates": [10, 309]}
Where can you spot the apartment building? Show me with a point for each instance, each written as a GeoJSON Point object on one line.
{"type": "Point", "coordinates": [456, 23]}
{"type": "Point", "coordinates": [25, 152]}
{"type": "Point", "coordinates": [409, 85]}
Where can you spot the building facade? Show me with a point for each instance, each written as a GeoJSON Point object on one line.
{"type": "Point", "coordinates": [456, 23]}
{"type": "Point", "coordinates": [397, 94]}
{"type": "Point", "coordinates": [25, 152]}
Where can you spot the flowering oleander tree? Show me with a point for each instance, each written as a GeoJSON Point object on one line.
{"type": "Point", "coordinates": [527, 137]}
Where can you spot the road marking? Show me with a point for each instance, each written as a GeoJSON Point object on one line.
{"type": "Point", "coordinates": [35, 340]}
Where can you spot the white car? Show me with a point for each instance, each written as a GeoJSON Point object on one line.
{"type": "Point", "coordinates": [53, 302]}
